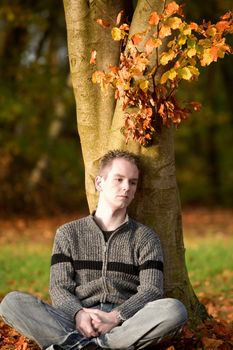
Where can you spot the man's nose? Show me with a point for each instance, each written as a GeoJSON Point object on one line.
{"type": "Point", "coordinates": [126, 185]}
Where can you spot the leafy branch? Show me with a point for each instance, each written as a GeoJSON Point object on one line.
{"type": "Point", "coordinates": [148, 93]}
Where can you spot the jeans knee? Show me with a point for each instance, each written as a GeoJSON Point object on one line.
{"type": "Point", "coordinates": [10, 302]}
{"type": "Point", "coordinates": [177, 311]}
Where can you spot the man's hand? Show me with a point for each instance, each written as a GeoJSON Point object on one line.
{"type": "Point", "coordinates": [101, 321]}
{"type": "Point", "coordinates": [83, 322]}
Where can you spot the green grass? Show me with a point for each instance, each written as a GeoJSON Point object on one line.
{"type": "Point", "coordinates": [25, 266]}
{"type": "Point", "coordinates": [210, 264]}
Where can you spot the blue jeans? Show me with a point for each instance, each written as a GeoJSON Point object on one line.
{"type": "Point", "coordinates": [158, 321]}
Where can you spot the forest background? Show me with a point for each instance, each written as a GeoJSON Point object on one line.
{"type": "Point", "coordinates": [41, 166]}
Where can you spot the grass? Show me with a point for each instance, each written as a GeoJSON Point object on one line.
{"type": "Point", "coordinates": [25, 265]}
{"type": "Point", "coordinates": [210, 264]}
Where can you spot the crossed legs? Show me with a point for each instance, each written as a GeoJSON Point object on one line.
{"type": "Point", "coordinates": [157, 321]}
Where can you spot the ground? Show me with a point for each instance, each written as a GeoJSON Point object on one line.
{"type": "Point", "coordinates": [215, 333]}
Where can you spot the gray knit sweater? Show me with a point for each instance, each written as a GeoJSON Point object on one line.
{"type": "Point", "coordinates": [85, 270]}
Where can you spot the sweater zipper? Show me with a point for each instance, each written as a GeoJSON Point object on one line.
{"type": "Point", "coordinates": [104, 272]}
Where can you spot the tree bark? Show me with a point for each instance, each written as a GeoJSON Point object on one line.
{"type": "Point", "coordinates": [100, 119]}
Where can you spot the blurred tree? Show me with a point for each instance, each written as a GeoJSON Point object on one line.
{"type": "Point", "coordinates": [39, 148]}
{"type": "Point", "coordinates": [204, 153]}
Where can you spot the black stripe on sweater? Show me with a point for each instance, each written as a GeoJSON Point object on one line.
{"type": "Point", "coordinates": [152, 264]}
{"type": "Point", "coordinates": [60, 258]}
{"type": "Point", "coordinates": [122, 267]}
{"type": "Point", "coordinates": [88, 265]}
{"type": "Point", "coordinates": [112, 266]}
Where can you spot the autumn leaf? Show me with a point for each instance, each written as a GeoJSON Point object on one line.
{"type": "Point", "coordinates": [171, 8]}
{"type": "Point", "coordinates": [182, 40]}
{"type": "Point", "coordinates": [167, 56]}
{"type": "Point", "coordinates": [136, 39]}
{"type": "Point", "coordinates": [206, 58]}
{"type": "Point", "coordinates": [154, 18]}
{"type": "Point", "coordinates": [124, 26]}
{"type": "Point", "coordinates": [151, 44]}
{"type": "Point", "coordinates": [174, 22]}
{"type": "Point", "coordinates": [222, 25]}
{"type": "Point", "coordinates": [164, 77]}
{"type": "Point", "coordinates": [119, 17]}
{"type": "Point", "coordinates": [194, 70]}
{"type": "Point", "coordinates": [185, 73]}
{"type": "Point", "coordinates": [93, 57]}
{"type": "Point", "coordinates": [117, 34]}
{"type": "Point", "coordinates": [103, 23]}
{"type": "Point", "coordinates": [164, 31]}
{"type": "Point", "coordinates": [191, 52]}
{"type": "Point", "coordinates": [144, 85]}
{"type": "Point", "coordinates": [211, 31]}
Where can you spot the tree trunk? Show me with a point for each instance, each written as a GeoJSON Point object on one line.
{"type": "Point", "coordinates": [100, 119]}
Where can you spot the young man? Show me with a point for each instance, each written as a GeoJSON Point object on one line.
{"type": "Point", "coordinates": [106, 281]}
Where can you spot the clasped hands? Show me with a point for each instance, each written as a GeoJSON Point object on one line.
{"type": "Point", "coordinates": [93, 322]}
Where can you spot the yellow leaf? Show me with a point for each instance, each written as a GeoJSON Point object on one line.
{"type": "Point", "coordinates": [206, 58]}
{"type": "Point", "coordinates": [144, 85]}
{"type": "Point", "coordinates": [187, 30]}
{"type": "Point", "coordinates": [164, 31]}
{"type": "Point", "coordinates": [211, 31]}
{"type": "Point", "coordinates": [116, 34]}
{"type": "Point", "coordinates": [164, 78]}
{"type": "Point", "coordinates": [191, 52]}
{"type": "Point", "coordinates": [126, 85]}
{"type": "Point", "coordinates": [185, 73]}
{"type": "Point", "coordinates": [172, 74]}
{"type": "Point", "coordinates": [166, 57]}
{"type": "Point", "coordinates": [174, 22]}
{"type": "Point", "coordinates": [182, 40]}
{"type": "Point", "coordinates": [194, 70]}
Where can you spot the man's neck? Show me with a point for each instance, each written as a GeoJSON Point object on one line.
{"type": "Point", "coordinates": [108, 219]}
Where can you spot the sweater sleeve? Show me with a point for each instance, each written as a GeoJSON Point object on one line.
{"type": "Point", "coordinates": [62, 273]}
{"type": "Point", "coordinates": [150, 259]}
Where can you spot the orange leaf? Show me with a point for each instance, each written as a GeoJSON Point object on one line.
{"type": "Point", "coordinates": [152, 44]}
{"type": "Point", "coordinates": [222, 25]}
{"type": "Point", "coordinates": [124, 26]}
{"type": "Point", "coordinates": [136, 39]}
{"type": "Point", "coordinates": [103, 23]}
{"type": "Point", "coordinates": [154, 18]}
{"type": "Point", "coordinates": [93, 57]}
{"type": "Point", "coordinates": [171, 8]}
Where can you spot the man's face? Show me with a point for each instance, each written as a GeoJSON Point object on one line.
{"type": "Point", "coordinates": [118, 184]}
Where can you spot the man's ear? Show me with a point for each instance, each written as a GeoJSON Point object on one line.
{"type": "Point", "coordinates": [98, 181]}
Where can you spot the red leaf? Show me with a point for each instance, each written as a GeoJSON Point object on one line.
{"type": "Point", "coordinates": [103, 23]}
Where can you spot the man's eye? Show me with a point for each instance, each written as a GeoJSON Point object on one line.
{"type": "Point", "coordinates": [119, 179]}
{"type": "Point", "coordinates": [134, 183]}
